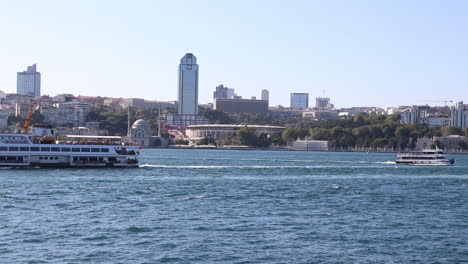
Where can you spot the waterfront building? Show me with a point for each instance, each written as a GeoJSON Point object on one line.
{"type": "Point", "coordinates": [451, 142]}
{"type": "Point", "coordinates": [322, 102]}
{"type": "Point", "coordinates": [141, 133]}
{"type": "Point", "coordinates": [424, 143]}
{"type": "Point", "coordinates": [299, 100]}
{"type": "Point", "coordinates": [216, 131]}
{"type": "Point", "coordinates": [241, 106]}
{"type": "Point", "coordinates": [265, 95]}
{"type": "Point", "coordinates": [29, 82]}
{"type": "Point", "coordinates": [188, 85]}
{"type": "Point", "coordinates": [459, 115]}
{"type": "Point", "coordinates": [310, 145]}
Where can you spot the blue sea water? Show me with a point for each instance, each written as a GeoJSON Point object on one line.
{"type": "Point", "coordinates": [215, 206]}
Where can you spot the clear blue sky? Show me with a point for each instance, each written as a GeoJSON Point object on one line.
{"type": "Point", "coordinates": [362, 53]}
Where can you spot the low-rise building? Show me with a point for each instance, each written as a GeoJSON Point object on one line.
{"type": "Point", "coordinates": [320, 114]}
{"type": "Point", "coordinates": [3, 119]}
{"type": "Point", "coordinates": [241, 106]}
{"type": "Point", "coordinates": [216, 131]}
{"type": "Point", "coordinates": [451, 142]}
{"type": "Point", "coordinates": [138, 103]}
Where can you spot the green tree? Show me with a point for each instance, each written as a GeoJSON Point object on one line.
{"type": "Point", "coordinates": [463, 145]}
{"type": "Point", "coordinates": [247, 136]}
{"type": "Point", "coordinates": [450, 130]}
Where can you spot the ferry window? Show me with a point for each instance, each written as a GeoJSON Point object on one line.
{"type": "Point", "coordinates": [40, 158]}
{"type": "Point", "coordinates": [112, 159]}
{"type": "Point", "coordinates": [85, 150]}
{"type": "Point", "coordinates": [75, 158]}
{"type": "Point", "coordinates": [65, 149]}
{"type": "Point", "coordinates": [45, 149]}
{"type": "Point", "coordinates": [34, 149]}
{"type": "Point", "coordinates": [56, 158]}
{"type": "Point", "coordinates": [13, 148]}
{"type": "Point", "coordinates": [94, 150]}
{"type": "Point", "coordinates": [101, 159]}
{"type": "Point", "coordinates": [3, 148]}
{"type": "Point", "coordinates": [55, 149]}
{"type": "Point", "coordinates": [75, 149]}
{"type": "Point", "coordinates": [104, 150]}
{"type": "Point", "coordinates": [24, 148]}
{"type": "Point", "coordinates": [20, 158]}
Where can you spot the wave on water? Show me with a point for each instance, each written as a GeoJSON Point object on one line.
{"type": "Point", "coordinates": [247, 166]}
{"type": "Point", "coordinates": [386, 162]}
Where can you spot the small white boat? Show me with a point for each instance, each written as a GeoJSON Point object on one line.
{"type": "Point", "coordinates": [424, 157]}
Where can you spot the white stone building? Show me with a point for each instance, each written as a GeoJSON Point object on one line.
{"type": "Point", "coordinates": [311, 145]}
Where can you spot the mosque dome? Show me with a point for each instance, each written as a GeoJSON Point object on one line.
{"type": "Point", "coordinates": [140, 123]}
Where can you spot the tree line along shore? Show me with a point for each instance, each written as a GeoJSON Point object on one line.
{"type": "Point", "coordinates": [362, 132]}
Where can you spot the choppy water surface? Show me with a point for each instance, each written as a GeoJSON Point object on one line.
{"type": "Point", "coordinates": [215, 206]}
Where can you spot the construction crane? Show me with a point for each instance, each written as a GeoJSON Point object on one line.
{"type": "Point", "coordinates": [444, 101]}
{"type": "Point", "coordinates": [27, 120]}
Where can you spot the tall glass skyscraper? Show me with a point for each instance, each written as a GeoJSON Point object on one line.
{"type": "Point", "coordinates": [188, 85]}
{"type": "Point", "coordinates": [29, 82]}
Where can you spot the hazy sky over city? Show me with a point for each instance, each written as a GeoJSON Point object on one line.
{"type": "Point", "coordinates": [361, 53]}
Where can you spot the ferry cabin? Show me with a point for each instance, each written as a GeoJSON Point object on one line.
{"type": "Point", "coordinates": [19, 150]}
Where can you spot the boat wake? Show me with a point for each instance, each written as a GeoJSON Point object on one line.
{"type": "Point", "coordinates": [248, 166]}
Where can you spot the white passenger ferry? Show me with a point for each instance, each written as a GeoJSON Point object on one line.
{"type": "Point", "coordinates": [424, 157]}
{"type": "Point", "coordinates": [39, 148]}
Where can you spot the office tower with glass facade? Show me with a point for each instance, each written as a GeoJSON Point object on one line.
{"type": "Point", "coordinates": [188, 85]}
{"type": "Point", "coordinates": [29, 82]}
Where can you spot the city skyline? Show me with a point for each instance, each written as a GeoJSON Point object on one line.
{"type": "Point", "coordinates": [361, 53]}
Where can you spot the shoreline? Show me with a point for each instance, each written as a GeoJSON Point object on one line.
{"type": "Point", "coordinates": [289, 149]}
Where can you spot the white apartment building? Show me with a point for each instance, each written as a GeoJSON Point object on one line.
{"type": "Point", "coordinates": [459, 115]}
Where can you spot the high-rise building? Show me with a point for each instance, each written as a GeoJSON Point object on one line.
{"type": "Point", "coordinates": [459, 115]}
{"type": "Point", "coordinates": [299, 100]}
{"type": "Point", "coordinates": [231, 93]}
{"type": "Point", "coordinates": [221, 92]}
{"type": "Point", "coordinates": [322, 102]}
{"type": "Point", "coordinates": [265, 95]}
{"type": "Point", "coordinates": [188, 85]}
{"type": "Point", "coordinates": [29, 82]}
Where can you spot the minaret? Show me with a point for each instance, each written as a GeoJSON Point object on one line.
{"type": "Point", "coordinates": [159, 122]}
{"type": "Point", "coordinates": [129, 128]}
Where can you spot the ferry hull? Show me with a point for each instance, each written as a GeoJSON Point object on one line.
{"type": "Point", "coordinates": [426, 162]}
{"type": "Point", "coordinates": [64, 165]}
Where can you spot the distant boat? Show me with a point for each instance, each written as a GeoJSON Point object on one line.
{"type": "Point", "coordinates": [424, 157]}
